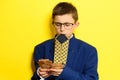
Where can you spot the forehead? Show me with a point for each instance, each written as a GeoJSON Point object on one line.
{"type": "Point", "coordinates": [64, 18]}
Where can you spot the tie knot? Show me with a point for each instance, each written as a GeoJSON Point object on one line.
{"type": "Point", "coordinates": [62, 38]}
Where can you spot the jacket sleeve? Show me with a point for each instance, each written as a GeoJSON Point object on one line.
{"type": "Point", "coordinates": [89, 72]}
{"type": "Point", "coordinates": [35, 76]}
{"type": "Point", "coordinates": [37, 56]}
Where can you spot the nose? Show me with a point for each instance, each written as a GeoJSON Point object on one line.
{"type": "Point", "coordinates": [62, 28]}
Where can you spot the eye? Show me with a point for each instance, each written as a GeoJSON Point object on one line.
{"type": "Point", "coordinates": [57, 24]}
{"type": "Point", "coordinates": [67, 24]}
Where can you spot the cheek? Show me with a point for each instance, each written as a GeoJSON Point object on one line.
{"type": "Point", "coordinates": [58, 31]}
{"type": "Point", "coordinates": [70, 31]}
{"type": "Point", "coordinates": [64, 32]}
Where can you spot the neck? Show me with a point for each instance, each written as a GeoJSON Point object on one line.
{"type": "Point", "coordinates": [69, 36]}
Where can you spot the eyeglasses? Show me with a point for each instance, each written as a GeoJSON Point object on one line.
{"type": "Point", "coordinates": [66, 25]}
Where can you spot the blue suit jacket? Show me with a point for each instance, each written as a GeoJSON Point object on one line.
{"type": "Point", "coordinates": [81, 60]}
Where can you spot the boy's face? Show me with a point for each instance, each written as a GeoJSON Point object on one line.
{"type": "Point", "coordinates": [65, 24]}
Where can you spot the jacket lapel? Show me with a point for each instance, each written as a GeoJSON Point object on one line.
{"type": "Point", "coordinates": [49, 54]}
{"type": "Point", "coordinates": [72, 52]}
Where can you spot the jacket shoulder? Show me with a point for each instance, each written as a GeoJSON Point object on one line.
{"type": "Point", "coordinates": [45, 43]}
{"type": "Point", "coordinates": [84, 44]}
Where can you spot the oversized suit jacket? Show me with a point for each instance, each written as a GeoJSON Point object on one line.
{"type": "Point", "coordinates": [81, 62]}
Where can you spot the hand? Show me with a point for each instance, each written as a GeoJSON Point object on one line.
{"type": "Point", "coordinates": [55, 72]}
{"type": "Point", "coordinates": [44, 73]}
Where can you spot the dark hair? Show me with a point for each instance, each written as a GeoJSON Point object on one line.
{"type": "Point", "coordinates": [65, 8]}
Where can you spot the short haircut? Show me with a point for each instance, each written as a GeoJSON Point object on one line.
{"type": "Point", "coordinates": [65, 8]}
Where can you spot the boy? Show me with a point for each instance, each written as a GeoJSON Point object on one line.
{"type": "Point", "coordinates": [79, 58]}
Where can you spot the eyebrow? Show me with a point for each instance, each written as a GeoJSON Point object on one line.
{"type": "Point", "coordinates": [64, 22]}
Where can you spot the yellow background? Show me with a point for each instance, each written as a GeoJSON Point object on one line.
{"type": "Point", "coordinates": [25, 23]}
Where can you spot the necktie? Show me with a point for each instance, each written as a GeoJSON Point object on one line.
{"type": "Point", "coordinates": [61, 49]}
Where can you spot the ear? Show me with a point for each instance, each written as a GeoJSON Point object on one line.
{"type": "Point", "coordinates": [76, 24]}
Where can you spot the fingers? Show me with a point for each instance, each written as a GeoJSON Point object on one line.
{"type": "Point", "coordinates": [47, 72]}
{"type": "Point", "coordinates": [44, 75]}
{"type": "Point", "coordinates": [43, 72]}
{"type": "Point", "coordinates": [56, 72]}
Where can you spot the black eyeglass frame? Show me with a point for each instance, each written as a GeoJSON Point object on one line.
{"type": "Point", "coordinates": [66, 25]}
